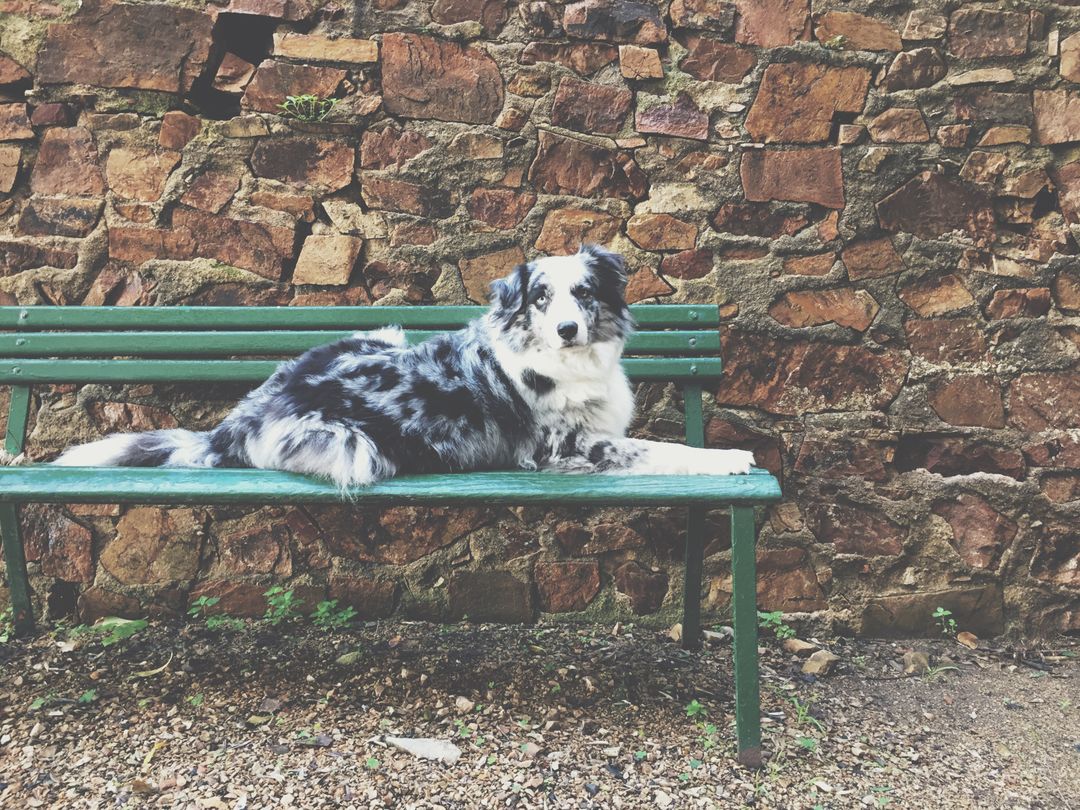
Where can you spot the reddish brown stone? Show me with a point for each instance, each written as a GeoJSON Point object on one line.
{"type": "Point", "coordinates": [301, 206]}
{"type": "Point", "coordinates": [1000, 136]}
{"type": "Point", "coordinates": [1069, 66]}
{"type": "Point", "coordinates": [796, 175]}
{"type": "Point", "coordinates": [14, 123]}
{"type": "Point", "coordinates": [953, 136]}
{"type": "Point", "coordinates": [304, 161]}
{"type": "Point", "coordinates": [390, 147]}
{"type": "Point", "coordinates": [274, 81]}
{"type": "Point", "coordinates": [390, 194]}
{"type": "Point", "coordinates": [589, 107]}
{"type": "Point", "coordinates": [501, 208]}
{"type": "Point", "coordinates": [1032, 302]}
{"type": "Point", "coordinates": [478, 273]}
{"type": "Point", "coordinates": [931, 205]}
{"type": "Point", "coordinates": [490, 13]}
{"type": "Point", "coordinates": [993, 106]}
{"type": "Point", "coordinates": [829, 455]}
{"type": "Point", "coordinates": [688, 264]}
{"type": "Point", "coordinates": [257, 545]}
{"type": "Point", "coordinates": [955, 340]}
{"type": "Point", "coordinates": [370, 598]}
{"type": "Point", "coordinates": [979, 610]}
{"type": "Point", "coordinates": [644, 283]}
{"type": "Point", "coordinates": [923, 25]}
{"type": "Point", "coordinates": [857, 32]}
{"type": "Point", "coordinates": [63, 547]}
{"type": "Point", "coordinates": [50, 216]}
{"type": "Point", "coordinates": [1061, 450]}
{"type": "Point", "coordinates": [843, 306]}
{"type": "Point", "coordinates": [679, 119]}
{"type": "Point", "coordinates": [154, 545]}
{"type": "Point", "coordinates": [110, 417]}
{"type": "Point", "coordinates": [413, 278]}
{"type": "Point", "coordinates": [709, 15]}
{"type": "Point", "coordinates": [291, 10]}
{"type": "Point", "coordinates": [177, 129]}
{"type": "Point", "coordinates": [646, 589]}
{"type": "Point", "coordinates": [871, 258]}
{"type": "Point", "coordinates": [327, 259]}
{"type": "Point", "coordinates": [1061, 487]}
{"type": "Point", "coordinates": [211, 191]}
{"type": "Point", "coordinates": [582, 57]}
{"type": "Point", "coordinates": [530, 82]}
{"type": "Point", "coordinates": [1067, 292]}
{"type": "Point", "coordinates": [234, 74]}
{"type": "Point", "coordinates": [140, 174]}
{"type": "Point", "coordinates": [97, 603]}
{"type": "Point", "coordinates": [797, 101]}
{"type": "Point", "coordinates": [566, 229]}
{"type": "Point", "coordinates": [946, 455]}
{"type": "Point", "coordinates": [1042, 400]}
{"type": "Point", "coordinates": [1067, 180]}
{"type": "Point", "coordinates": [713, 61]}
{"type": "Point", "coordinates": [146, 46]}
{"type": "Point", "coordinates": [857, 529]}
{"type": "Point", "coordinates": [316, 48]}
{"type": "Point", "coordinates": [489, 596]}
{"type": "Point", "coordinates": [819, 264]}
{"type": "Point", "coordinates": [1057, 116]}
{"type": "Point", "coordinates": [615, 21]}
{"type": "Point", "coordinates": [756, 219]}
{"type": "Point", "coordinates": [636, 62]}
{"type": "Point", "coordinates": [11, 72]}
{"type": "Point", "coordinates": [566, 586]}
{"type": "Point", "coordinates": [787, 582]}
{"type": "Point", "coordinates": [18, 256]}
{"type": "Point", "coordinates": [10, 160]}
{"type": "Point", "coordinates": [1057, 555]}
{"type": "Point", "coordinates": [976, 33]}
{"type": "Point", "coordinates": [793, 376]}
{"type": "Point", "coordinates": [910, 70]}
{"type": "Point", "coordinates": [413, 233]}
{"type": "Point", "coordinates": [970, 399]}
{"type": "Point", "coordinates": [67, 164]}
{"type": "Point", "coordinates": [50, 114]}
{"type": "Point", "coordinates": [984, 167]}
{"type": "Point", "coordinates": [771, 23]}
{"type": "Point", "coordinates": [936, 296]}
{"type": "Point", "coordinates": [980, 532]}
{"type": "Point", "coordinates": [899, 125]}
{"type": "Point", "coordinates": [425, 77]}
{"type": "Point", "coordinates": [661, 232]}
{"type": "Point", "coordinates": [569, 166]}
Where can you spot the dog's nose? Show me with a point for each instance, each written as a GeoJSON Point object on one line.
{"type": "Point", "coordinates": [566, 330]}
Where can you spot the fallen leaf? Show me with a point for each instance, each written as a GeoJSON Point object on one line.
{"type": "Point", "coordinates": [427, 748]}
{"type": "Point", "coordinates": [916, 662]}
{"type": "Point", "coordinates": [820, 663]}
{"type": "Point", "coordinates": [969, 640]}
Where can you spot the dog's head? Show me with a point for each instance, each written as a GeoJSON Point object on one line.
{"type": "Point", "coordinates": [563, 302]}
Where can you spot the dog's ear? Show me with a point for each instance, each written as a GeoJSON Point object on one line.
{"type": "Point", "coordinates": [609, 267]}
{"type": "Point", "coordinates": [508, 295]}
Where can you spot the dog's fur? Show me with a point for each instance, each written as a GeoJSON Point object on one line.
{"type": "Point", "coordinates": [536, 384]}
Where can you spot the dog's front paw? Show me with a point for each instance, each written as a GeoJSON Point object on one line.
{"type": "Point", "coordinates": [733, 462]}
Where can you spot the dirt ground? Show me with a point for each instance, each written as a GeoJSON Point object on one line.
{"type": "Point", "coordinates": [545, 716]}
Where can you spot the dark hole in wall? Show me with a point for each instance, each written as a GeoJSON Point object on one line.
{"type": "Point", "coordinates": [247, 36]}
{"type": "Point", "coordinates": [838, 119]}
{"type": "Point", "coordinates": [62, 600]}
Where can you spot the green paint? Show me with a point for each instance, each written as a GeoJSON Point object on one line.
{"type": "Point", "coordinates": [744, 607]}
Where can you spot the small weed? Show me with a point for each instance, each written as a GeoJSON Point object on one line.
{"type": "Point", "coordinates": [933, 673]}
{"type": "Point", "coordinates": [881, 797]}
{"type": "Point", "coordinates": [328, 616]}
{"type": "Point", "coordinates": [6, 629]}
{"type": "Point", "coordinates": [640, 755]}
{"type": "Point", "coordinates": [110, 630]}
{"type": "Point", "coordinates": [695, 709]}
{"type": "Point", "coordinates": [307, 108]}
{"type": "Point", "coordinates": [199, 606]}
{"type": "Point", "coordinates": [834, 43]}
{"type": "Point", "coordinates": [808, 744]}
{"type": "Point", "coordinates": [196, 700]}
{"type": "Point", "coordinates": [281, 605]}
{"type": "Point", "coordinates": [803, 716]}
{"type": "Point", "coordinates": [773, 622]}
{"type": "Point", "coordinates": [945, 621]}
{"type": "Point", "coordinates": [41, 702]}
{"type": "Point", "coordinates": [89, 696]}
{"type": "Point", "coordinates": [372, 764]}
{"type": "Point", "coordinates": [220, 620]}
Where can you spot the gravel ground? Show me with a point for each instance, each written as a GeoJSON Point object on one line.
{"type": "Point", "coordinates": [545, 716]}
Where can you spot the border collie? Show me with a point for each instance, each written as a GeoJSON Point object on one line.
{"type": "Point", "coordinates": [536, 384]}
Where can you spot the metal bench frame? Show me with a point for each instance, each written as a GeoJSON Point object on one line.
{"type": "Point", "coordinates": [50, 345]}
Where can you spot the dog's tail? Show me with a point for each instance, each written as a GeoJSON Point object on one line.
{"type": "Point", "coordinates": [158, 448]}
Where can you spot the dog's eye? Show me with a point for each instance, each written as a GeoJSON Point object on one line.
{"type": "Point", "coordinates": [585, 297]}
{"type": "Point", "coordinates": [541, 299]}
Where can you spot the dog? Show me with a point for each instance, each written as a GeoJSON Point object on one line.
{"type": "Point", "coordinates": [536, 384]}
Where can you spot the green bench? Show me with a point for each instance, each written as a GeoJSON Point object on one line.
{"type": "Point", "coordinates": [54, 345]}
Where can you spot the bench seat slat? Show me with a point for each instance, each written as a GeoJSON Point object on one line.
{"type": "Point", "coordinates": [648, 316]}
{"type": "Point", "coordinates": [47, 484]}
{"type": "Point", "coordinates": [225, 344]}
{"type": "Point", "coordinates": [27, 372]}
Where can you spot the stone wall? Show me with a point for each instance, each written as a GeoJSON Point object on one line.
{"type": "Point", "coordinates": [884, 199]}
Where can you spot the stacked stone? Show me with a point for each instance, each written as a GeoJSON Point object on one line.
{"type": "Point", "coordinates": [885, 203]}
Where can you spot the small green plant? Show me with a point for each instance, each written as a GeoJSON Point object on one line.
{"type": "Point", "coordinates": [695, 709]}
{"type": "Point", "coordinates": [640, 755]}
{"type": "Point", "coordinates": [196, 700]}
{"type": "Point", "coordinates": [89, 696]}
{"type": "Point", "coordinates": [773, 622]}
{"type": "Point", "coordinates": [281, 605]}
{"type": "Point", "coordinates": [220, 620]}
{"type": "Point", "coordinates": [201, 605]}
{"type": "Point", "coordinates": [834, 43]}
{"type": "Point", "coordinates": [328, 616]}
{"type": "Point", "coordinates": [808, 744]}
{"type": "Point", "coordinates": [6, 627]}
{"type": "Point", "coordinates": [945, 621]}
{"type": "Point", "coordinates": [110, 630]}
{"type": "Point", "coordinates": [372, 763]}
{"type": "Point", "coordinates": [307, 108]}
{"type": "Point", "coordinates": [803, 716]}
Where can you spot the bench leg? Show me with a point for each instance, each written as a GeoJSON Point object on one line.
{"type": "Point", "coordinates": [15, 560]}
{"type": "Point", "coordinates": [744, 599]}
{"type": "Point", "coordinates": [695, 556]}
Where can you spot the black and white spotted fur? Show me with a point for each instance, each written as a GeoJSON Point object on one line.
{"type": "Point", "coordinates": [536, 384]}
